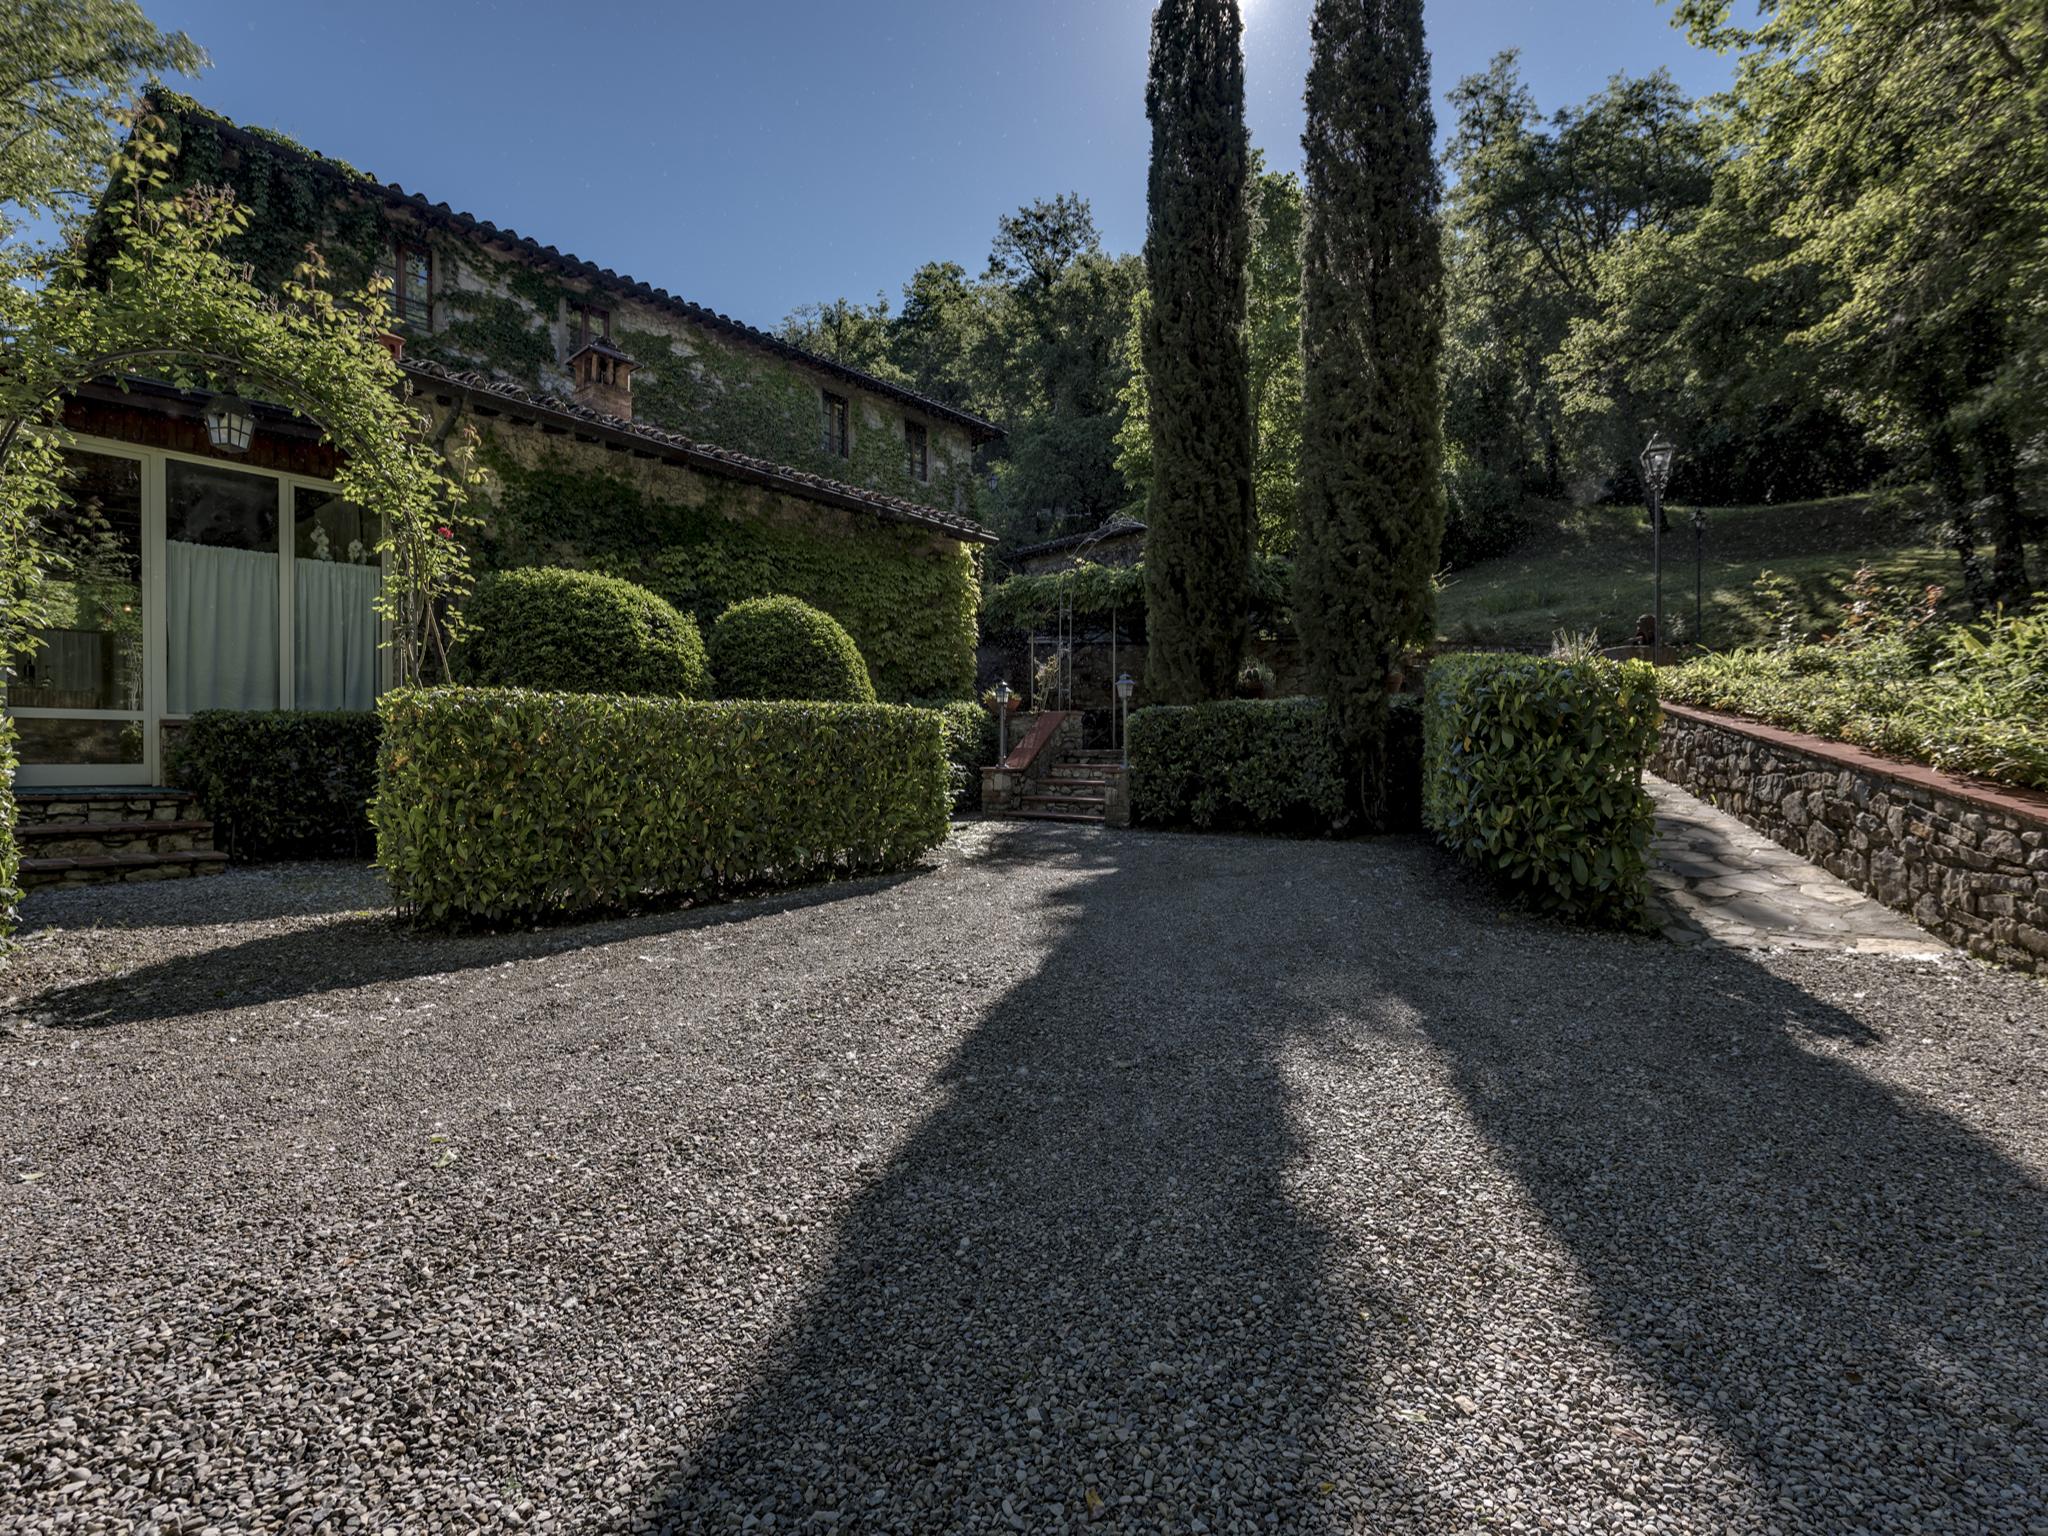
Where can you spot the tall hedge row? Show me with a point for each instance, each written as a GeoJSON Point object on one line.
{"type": "Point", "coordinates": [10, 855]}
{"type": "Point", "coordinates": [281, 784]}
{"type": "Point", "coordinates": [500, 805]}
{"type": "Point", "coordinates": [1532, 769]}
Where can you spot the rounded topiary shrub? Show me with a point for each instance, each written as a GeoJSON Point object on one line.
{"type": "Point", "coordinates": [780, 648]}
{"type": "Point", "coordinates": [578, 632]}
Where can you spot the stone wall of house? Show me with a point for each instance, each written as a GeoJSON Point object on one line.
{"type": "Point", "coordinates": [494, 312]}
{"type": "Point", "coordinates": [1965, 862]}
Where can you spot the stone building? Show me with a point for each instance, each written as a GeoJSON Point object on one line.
{"type": "Point", "coordinates": [625, 429]}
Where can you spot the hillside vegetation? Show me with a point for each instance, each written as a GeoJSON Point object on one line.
{"type": "Point", "coordinates": [1590, 571]}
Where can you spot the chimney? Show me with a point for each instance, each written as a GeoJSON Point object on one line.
{"type": "Point", "coordinates": [603, 378]}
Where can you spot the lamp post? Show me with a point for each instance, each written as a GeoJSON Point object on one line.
{"type": "Point", "coordinates": [1002, 722]}
{"type": "Point", "coordinates": [1656, 462]}
{"type": "Point", "coordinates": [1125, 687]}
{"type": "Point", "coordinates": [1699, 578]}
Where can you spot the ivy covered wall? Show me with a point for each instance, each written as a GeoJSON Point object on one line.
{"type": "Point", "coordinates": [907, 595]}
{"type": "Point", "coordinates": [499, 313]}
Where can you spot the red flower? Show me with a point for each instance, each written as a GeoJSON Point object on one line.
{"type": "Point", "coordinates": [445, 531]}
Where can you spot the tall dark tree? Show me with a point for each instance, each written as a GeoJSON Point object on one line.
{"type": "Point", "coordinates": [1372, 502]}
{"type": "Point", "coordinates": [1199, 545]}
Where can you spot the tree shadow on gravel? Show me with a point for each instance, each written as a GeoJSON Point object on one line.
{"type": "Point", "coordinates": [1080, 1295]}
{"type": "Point", "coordinates": [368, 949]}
{"type": "Point", "coordinates": [1843, 1283]}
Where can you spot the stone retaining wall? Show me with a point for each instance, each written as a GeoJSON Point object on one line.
{"type": "Point", "coordinates": [1968, 862]}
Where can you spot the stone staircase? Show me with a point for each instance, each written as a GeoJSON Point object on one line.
{"type": "Point", "coordinates": [88, 836]}
{"type": "Point", "coordinates": [1076, 789]}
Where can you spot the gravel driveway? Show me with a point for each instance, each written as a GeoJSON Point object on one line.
{"type": "Point", "coordinates": [1154, 1183]}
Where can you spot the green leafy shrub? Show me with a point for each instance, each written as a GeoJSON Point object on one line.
{"type": "Point", "coordinates": [1240, 764]}
{"type": "Point", "coordinates": [782, 648]}
{"type": "Point", "coordinates": [906, 595]}
{"type": "Point", "coordinates": [10, 855]}
{"type": "Point", "coordinates": [579, 632]}
{"type": "Point", "coordinates": [1532, 769]}
{"type": "Point", "coordinates": [1966, 700]}
{"type": "Point", "coordinates": [970, 747]}
{"type": "Point", "coordinates": [501, 805]}
{"type": "Point", "coordinates": [281, 784]}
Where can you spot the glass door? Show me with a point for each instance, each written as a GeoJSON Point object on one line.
{"type": "Point", "coordinates": [78, 701]}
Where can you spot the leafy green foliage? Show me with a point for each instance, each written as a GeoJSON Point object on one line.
{"type": "Point", "coordinates": [160, 295]}
{"type": "Point", "coordinates": [1970, 700]}
{"type": "Point", "coordinates": [1925, 243]}
{"type": "Point", "coordinates": [1372, 500]}
{"type": "Point", "coordinates": [1097, 591]}
{"type": "Point", "coordinates": [566, 631]}
{"type": "Point", "coordinates": [907, 598]}
{"type": "Point", "coordinates": [501, 806]}
{"type": "Point", "coordinates": [970, 747]}
{"type": "Point", "coordinates": [1255, 765]}
{"type": "Point", "coordinates": [1532, 770]}
{"type": "Point", "coordinates": [281, 784]}
{"type": "Point", "coordinates": [1199, 516]}
{"type": "Point", "coordinates": [782, 648]}
{"type": "Point", "coordinates": [68, 64]}
{"type": "Point", "coordinates": [10, 854]}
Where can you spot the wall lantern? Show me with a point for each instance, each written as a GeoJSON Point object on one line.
{"type": "Point", "coordinates": [230, 423]}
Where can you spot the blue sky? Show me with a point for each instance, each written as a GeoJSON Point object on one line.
{"type": "Point", "coordinates": [754, 155]}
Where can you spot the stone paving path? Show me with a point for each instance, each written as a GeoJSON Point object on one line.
{"type": "Point", "coordinates": [1719, 879]}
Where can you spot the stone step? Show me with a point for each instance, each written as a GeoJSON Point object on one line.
{"type": "Point", "coordinates": [46, 806]}
{"type": "Point", "coordinates": [1049, 802]}
{"type": "Point", "coordinates": [1057, 785]}
{"type": "Point", "coordinates": [107, 868]}
{"type": "Point", "coordinates": [1076, 816]}
{"type": "Point", "coordinates": [91, 839]}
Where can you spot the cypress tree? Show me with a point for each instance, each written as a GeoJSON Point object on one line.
{"type": "Point", "coordinates": [1371, 507]}
{"type": "Point", "coordinates": [1200, 524]}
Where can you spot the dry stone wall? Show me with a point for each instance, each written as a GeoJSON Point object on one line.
{"type": "Point", "coordinates": [1966, 862]}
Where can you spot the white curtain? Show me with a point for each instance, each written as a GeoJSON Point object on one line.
{"type": "Point", "coordinates": [334, 631]}
{"type": "Point", "coordinates": [223, 621]}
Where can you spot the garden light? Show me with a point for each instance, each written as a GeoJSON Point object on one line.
{"type": "Point", "coordinates": [230, 423]}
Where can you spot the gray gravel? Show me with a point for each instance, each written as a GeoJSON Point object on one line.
{"type": "Point", "coordinates": [1140, 1182]}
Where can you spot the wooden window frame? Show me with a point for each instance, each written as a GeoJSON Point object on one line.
{"type": "Point", "coordinates": [580, 317]}
{"type": "Point", "coordinates": [838, 425]}
{"type": "Point", "coordinates": [401, 297]}
{"type": "Point", "coordinates": [917, 439]}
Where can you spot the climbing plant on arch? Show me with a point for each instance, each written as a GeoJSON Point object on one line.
{"type": "Point", "coordinates": [151, 293]}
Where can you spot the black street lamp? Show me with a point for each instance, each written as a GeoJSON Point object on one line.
{"type": "Point", "coordinates": [1656, 463]}
{"type": "Point", "coordinates": [1125, 687]}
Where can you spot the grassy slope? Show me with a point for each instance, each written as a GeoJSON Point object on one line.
{"type": "Point", "coordinates": [1592, 572]}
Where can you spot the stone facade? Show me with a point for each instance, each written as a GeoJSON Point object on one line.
{"type": "Point", "coordinates": [1965, 861]}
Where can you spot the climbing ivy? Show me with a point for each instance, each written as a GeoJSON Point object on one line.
{"type": "Point", "coordinates": [294, 198]}
{"type": "Point", "coordinates": [1096, 591]}
{"type": "Point", "coordinates": [908, 598]}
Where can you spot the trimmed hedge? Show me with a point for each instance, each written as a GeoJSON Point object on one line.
{"type": "Point", "coordinates": [10, 855]}
{"type": "Point", "coordinates": [782, 648]}
{"type": "Point", "coordinates": [1256, 765]}
{"type": "Point", "coordinates": [1532, 769]}
{"type": "Point", "coordinates": [281, 784]}
{"type": "Point", "coordinates": [970, 747]}
{"type": "Point", "coordinates": [500, 805]}
{"type": "Point", "coordinates": [578, 632]}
